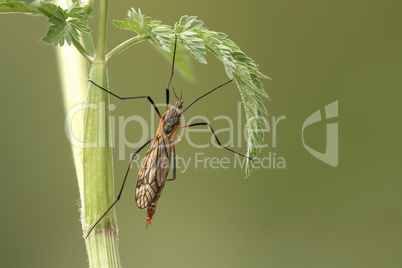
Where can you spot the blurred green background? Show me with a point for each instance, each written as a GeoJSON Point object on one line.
{"type": "Point", "coordinates": [308, 215]}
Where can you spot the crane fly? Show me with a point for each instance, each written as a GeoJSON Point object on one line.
{"type": "Point", "coordinates": [155, 168]}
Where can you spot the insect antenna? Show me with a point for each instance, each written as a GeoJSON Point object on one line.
{"type": "Point", "coordinates": [174, 91]}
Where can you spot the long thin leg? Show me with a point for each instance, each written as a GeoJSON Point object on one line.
{"type": "Point", "coordinates": [121, 190]}
{"type": "Point", "coordinates": [129, 98]}
{"type": "Point", "coordinates": [174, 164]}
{"type": "Point", "coordinates": [216, 138]}
{"type": "Point", "coordinates": [171, 74]}
{"type": "Point", "coordinates": [197, 99]}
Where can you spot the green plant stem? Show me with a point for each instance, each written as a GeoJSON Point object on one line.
{"type": "Point", "coordinates": [125, 45]}
{"type": "Point", "coordinates": [101, 42]}
{"type": "Point", "coordinates": [98, 193]}
{"type": "Point", "coordinates": [102, 244]}
{"type": "Point", "coordinates": [82, 50]}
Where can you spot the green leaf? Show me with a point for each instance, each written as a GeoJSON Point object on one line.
{"type": "Point", "coordinates": [197, 39]}
{"type": "Point", "coordinates": [159, 34]}
{"type": "Point", "coordinates": [66, 23]}
{"type": "Point", "coordinates": [21, 7]}
{"type": "Point", "coordinates": [187, 30]}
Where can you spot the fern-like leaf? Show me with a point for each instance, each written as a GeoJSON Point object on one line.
{"type": "Point", "coordinates": [197, 39]}
{"type": "Point", "coordinates": [187, 30]}
{"type": "Point", "coordinates": [159, 34]}
{"type": "Point", "coordinates": [65, 23]}
{"type": "Point", "coordinates": [19, 7]}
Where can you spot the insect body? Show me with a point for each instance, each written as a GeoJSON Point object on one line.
{"type": "Point", "coordinates": [154, 171]}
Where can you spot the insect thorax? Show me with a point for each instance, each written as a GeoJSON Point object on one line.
{"type": "Point", "coordinates": [171, 119]}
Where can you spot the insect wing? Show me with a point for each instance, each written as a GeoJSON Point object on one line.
{"type": "Point", "coordinates": [154, 171]}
